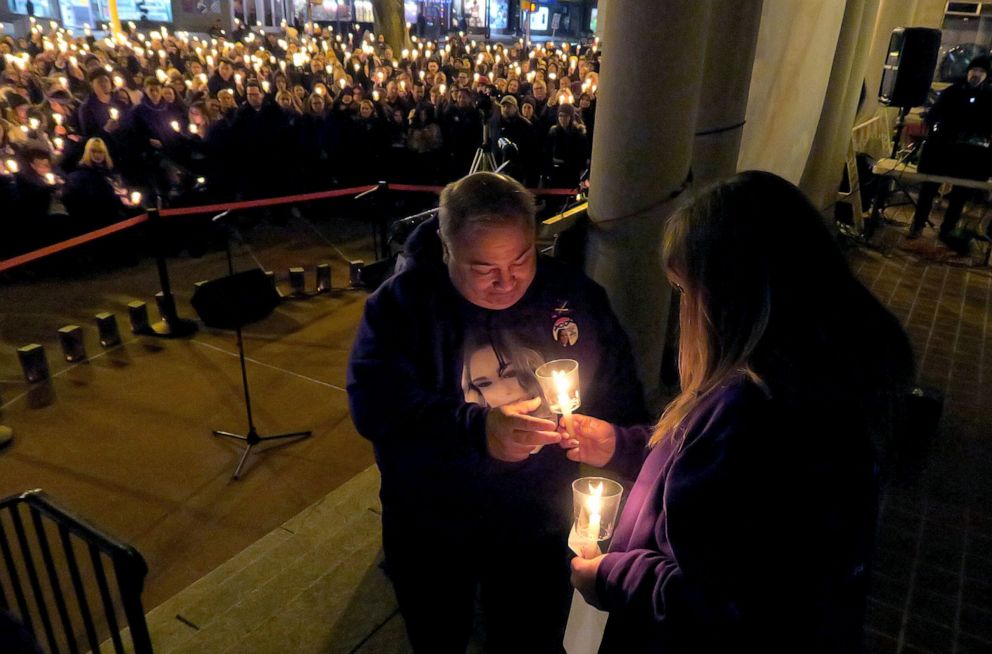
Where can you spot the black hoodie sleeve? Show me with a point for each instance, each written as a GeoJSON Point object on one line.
{"type": "Point", "coordinates": [393, 382]}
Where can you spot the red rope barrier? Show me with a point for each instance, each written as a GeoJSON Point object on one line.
{"type": "Point", "coordinates": [49, 250]}
{"type": "Point", "coordinates": [252, 204]}
{"type": "Point", "coordinates": [22, 259]}
{"type": "Point", "coordinates": [417, 188]}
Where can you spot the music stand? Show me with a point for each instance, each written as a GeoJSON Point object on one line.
{"type": "Point", "coordinates": [232, 302]}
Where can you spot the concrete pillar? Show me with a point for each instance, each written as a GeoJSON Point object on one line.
{"type": "Point", "coordinates": [824, 168]}
{"type": "Point", "coordinates": [639, 165]}
{"type": "Point", "coordinates": [731, 42]}
{"type": "Point", "coordinates": [390, 21]}
{"type": "Point", "coordinates": [227, 15]}
{"type": "Point", "coordinates": [891, 14]}
{"type": "Point", "coordinates": [601, 16]}
{"type": "Point", "coordinates": [929, 13]}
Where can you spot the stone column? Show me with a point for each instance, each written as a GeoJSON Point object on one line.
{"type": "Point", "coordinates": [641, 158]}
{"type": "Point", "coordinates": [226, 15]}
{"type": "Point", "coordinates": [601, 16]}
{"type": "Point", "coordinates": [731, 43]}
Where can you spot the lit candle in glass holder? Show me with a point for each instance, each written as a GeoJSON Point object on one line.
{"type": "Point", "coordinates": [559, 380]}
{"type": "Point", "coordinates": [114, 113]}
{"type": "Point", "coordinates": [135, 198]}
{"type": "Point", "coordinates": [596, 501]}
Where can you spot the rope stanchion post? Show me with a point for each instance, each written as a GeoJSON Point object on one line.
{"type": "Point", "coordinates": [378, 195]}
{"type": "Point", "coordinates": [171, 325]}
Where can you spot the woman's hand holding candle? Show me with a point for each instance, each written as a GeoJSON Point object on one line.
{"type": "Point", "coordinates": [593, 441]}
{"type": "Point", "coordinates": [512, 434]}
{"type": "Point", "coordinates": [584, 572]}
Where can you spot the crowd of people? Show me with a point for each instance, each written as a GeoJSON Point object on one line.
{"type": "Point", "coordinates": [92, 128]}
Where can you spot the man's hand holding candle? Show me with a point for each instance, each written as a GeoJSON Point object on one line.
{"type": "Point", "coordinates": [512, 434]}
{"type": "Point", "coordinates": [593, 442]}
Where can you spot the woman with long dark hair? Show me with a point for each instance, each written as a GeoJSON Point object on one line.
{"type": "Point", "coordinates": [751, 522]}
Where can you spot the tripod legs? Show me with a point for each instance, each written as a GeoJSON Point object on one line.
{"type": "Point", "coordinates": [252, 439]}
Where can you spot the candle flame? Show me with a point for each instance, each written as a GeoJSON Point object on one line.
{"type": "Point", "coordinates": [595, 502]}
{"type": "Point", "coordinates": [561, 389]}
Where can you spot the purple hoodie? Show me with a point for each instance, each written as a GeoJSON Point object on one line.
{"type": "Point", "coordinates": [749, 530]}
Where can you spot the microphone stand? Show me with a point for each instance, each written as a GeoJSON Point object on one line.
{"type": "Point", "coordinates": [252, 438]}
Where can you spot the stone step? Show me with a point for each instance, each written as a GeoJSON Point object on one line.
{"type": "Point", "coordinates": [315, 580]}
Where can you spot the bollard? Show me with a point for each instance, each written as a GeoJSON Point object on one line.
{"type": "Point", "coordinates": [137, 311]}
{"type": "Point", "coordinates": [355, 272]}
{"type": "Point", "coordinates": [324, 278]}
{"type": "Point", "coordinates": [33, 362]}
{"type": "Point", "coordinates": [73, 348]}
{"type": "Point", "coordinates": [110, 335]}
{"type": "Point", "coordinates": [275, 283]}
{"type": "Point", "coordinates": [297, 281]}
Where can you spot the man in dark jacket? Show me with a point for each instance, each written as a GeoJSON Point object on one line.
{"type": "Point", "coordinates": [462, 125]}
{"type": "Point", "coordinates": [959, 144]}
{"type": "Point", "coordinates": [97, 116]}
{"type": "Point", "coordinates": [223, 78]}
{"type": "Point", "coordinates": [513, 140]}
{"type": "Point", "coordinates": [566, 150]}
{"type": "Point", "coordinates": [442, 381]}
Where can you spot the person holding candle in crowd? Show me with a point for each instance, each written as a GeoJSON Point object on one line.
{"type": "Point", "coordinates": [95, 118]}
{"type": "Point", "coordinates": [566, 150]}
{"type": "Point", "coordinates": [751, 522]}
{"type": "Point", "coordinates": [454, 338]}
{"type": "Point", "coordinates": [93, 191]}
{"type": "Point", "coordinates": [37, 187]}
{"type": "Point", "coordinates": [57, 70]}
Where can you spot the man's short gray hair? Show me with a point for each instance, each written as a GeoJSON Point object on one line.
{"type": "Point", "coordinates": [485, 199]}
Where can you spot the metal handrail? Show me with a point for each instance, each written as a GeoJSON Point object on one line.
{"type": "Point", "coordinates": [45, 586]}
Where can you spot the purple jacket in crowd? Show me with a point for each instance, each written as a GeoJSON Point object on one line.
{"type": "Point", "coordinates": [748, 532]}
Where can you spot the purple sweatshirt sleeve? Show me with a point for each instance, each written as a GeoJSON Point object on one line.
{"type": "Point", "coordinates": [649, 584]}
{"type": "Point", "coordinates": [631, 450]}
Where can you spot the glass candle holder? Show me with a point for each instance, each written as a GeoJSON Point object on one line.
{"type": "Point", "coordinates": [559, 380]}
{"type": "Point", "coordinates": [596, 501]}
